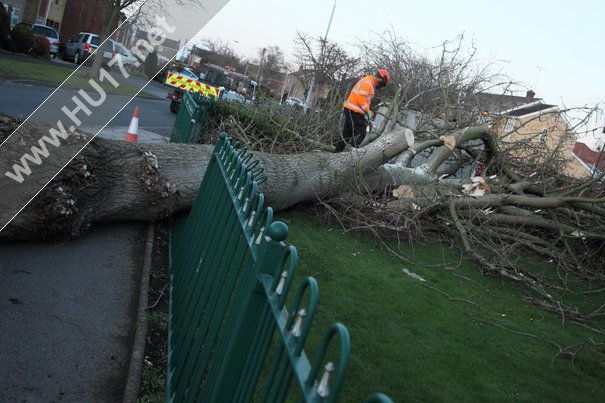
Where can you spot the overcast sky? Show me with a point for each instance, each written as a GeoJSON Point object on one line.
{"type": "Point", "coordinates": [555, 47]}
{"type": "Point", "coordinates": [558, 46]}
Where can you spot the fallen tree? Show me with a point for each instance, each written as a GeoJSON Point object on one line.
{"type": "Point", "coordinates": [374, 188]}
{"type": "Point", "coordinates": [403, 186]}
{"type": "Point", "coordinates": [115, 180]}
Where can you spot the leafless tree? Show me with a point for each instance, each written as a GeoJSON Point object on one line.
{"type": "Point", "coordinates": [110, 12]}
{"type": "Point", "coordinates": [222, 53]}
{"type": "Point", "coordinates": [336, 69]}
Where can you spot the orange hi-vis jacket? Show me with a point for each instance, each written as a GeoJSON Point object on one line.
{"type": "Point", "coordinates": [361, 95]}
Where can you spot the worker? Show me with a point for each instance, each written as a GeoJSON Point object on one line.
{"type": "Point", "coordinates": [357, 113]}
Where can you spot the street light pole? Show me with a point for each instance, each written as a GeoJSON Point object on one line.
{"type": "Point", "coordinates": [309, 98]}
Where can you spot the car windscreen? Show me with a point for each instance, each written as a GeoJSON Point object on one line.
{"type": "Point", "coordinates": [94, 41]}
{"type": "Point", "coordinates": [45, 31]}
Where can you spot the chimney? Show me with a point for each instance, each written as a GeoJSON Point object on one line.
{"type": "Point", "coordinates": [529, 97]}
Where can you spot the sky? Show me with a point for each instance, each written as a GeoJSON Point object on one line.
{"type": "Point", "coordinates": [555, 47]}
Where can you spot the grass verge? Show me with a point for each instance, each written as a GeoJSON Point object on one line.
{"type": "Point", "coordinates": [460, 336]}
{"type": "Point", "coordinates": [51, 74]}
{"type": "Point", "coordinates": [153, 376]}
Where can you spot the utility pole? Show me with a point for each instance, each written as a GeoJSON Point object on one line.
{"type": "Point", "coordinates": [309, 98]}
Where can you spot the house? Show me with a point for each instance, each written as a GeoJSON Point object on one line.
{"type": "Point", "coordinates": [68, 17]}
{"type": "Point", "coordinates": [14, 9]}
{"type": "Point", "coordinates": [199, 55]}
{"type": "Point", "coordinates": [495, 103]}
{"type": "Point", "coordinates": [45, 12]}
{"type": "Point", "coordinates": [296, 85]}
{"type": "Point", "coordinates": [166, 51]}
{"type": "Point", "coordinates": [84, 16]}
{"type": "Point", "coordinates": [591, 157]}
{"type": "Point", "coordinates": [530, 124]}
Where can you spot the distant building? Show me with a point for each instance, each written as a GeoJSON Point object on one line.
{"type": "Point", "coordinates": [166, 51]}
{"type": "Point", "coordinates": [296, 85]}
{"type": "Point", "coordinates": [199, 55]}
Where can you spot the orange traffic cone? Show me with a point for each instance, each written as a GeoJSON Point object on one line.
{"type": "Point", "coordinates": [132, 135]}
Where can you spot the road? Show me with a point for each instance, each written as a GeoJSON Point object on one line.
{"type": "Point", "coordinates": [21, 99]}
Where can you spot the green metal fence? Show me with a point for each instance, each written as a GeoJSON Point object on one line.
{"type": "Point", "coordinates": [231, 274]}
{"type": "Point", "coordinates": [192, 118]}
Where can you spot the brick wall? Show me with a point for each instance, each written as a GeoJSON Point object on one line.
{"type": "Point", "coordinates": [530, 129]}
{"type": "Point", "coordinates": [82, 16]}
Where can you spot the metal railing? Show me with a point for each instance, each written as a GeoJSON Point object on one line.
{"type": "Point", "coordinates": [231, 274]}
{"type": "Point", "coordinates": [192, 118]}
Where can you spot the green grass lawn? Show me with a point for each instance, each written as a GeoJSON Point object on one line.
{"type": "Point", "coordinates": [459, 337]}
{"type": "Point", "coordinates": [52, 74]}
{"type": "Point", "coordinates": [33, 71]}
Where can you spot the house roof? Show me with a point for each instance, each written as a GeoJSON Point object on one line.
{"type": "Point", "coordinates": [167, 43]}
{"type": "Point", "coordinates": [500, 102]}
{"type": "Point", "coordinates": [588, 156]}
{"type": "Point", "coordinates": [528, 109]}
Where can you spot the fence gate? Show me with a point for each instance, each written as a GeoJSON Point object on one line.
{"type": "Point", "coordinates": [230, 276]}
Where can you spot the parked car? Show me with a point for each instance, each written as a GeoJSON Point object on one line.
{"type": "Point", "coordinates": [81, 46]}
{"type": "Point", "coordinates": [128, 60]}
{"type": "Point", "coordinates": [230, 95]}
{"type": "Point", "coordinates": [48, 32]}
{"type": "Point", "coordinates": [294, 102]}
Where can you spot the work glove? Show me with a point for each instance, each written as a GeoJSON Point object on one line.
{"type": "Point", "coordinates": [369, 115]}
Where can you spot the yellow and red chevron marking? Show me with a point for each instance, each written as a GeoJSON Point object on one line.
{"type": "Point", "coordinates": [187, 84]}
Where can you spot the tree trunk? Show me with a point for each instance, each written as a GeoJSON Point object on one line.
{"type": "Point", "coordinates": [115, 180]}
{"type": "Point", "coordinates": [110, 14]}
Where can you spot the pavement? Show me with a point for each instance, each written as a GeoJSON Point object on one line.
{"type": "Point", "coordinates": [119, 132]}
{"type": "Point", "coordinates": [72, 315]}
{"type": "Point", "coordinates": [69, 315]}
{"type": "Point", "coordinates": [73, 322]}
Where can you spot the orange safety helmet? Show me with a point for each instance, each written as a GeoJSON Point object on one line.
{"type": "Point", "coordinates": [384, 76]}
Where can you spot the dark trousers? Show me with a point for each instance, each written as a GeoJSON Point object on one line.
{"type": "Point", "coordinates": [353, 130]}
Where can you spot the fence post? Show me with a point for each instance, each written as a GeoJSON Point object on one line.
{"type": "Point", "coordinates": [185, 119]}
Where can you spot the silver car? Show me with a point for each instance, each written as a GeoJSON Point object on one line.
{"type": "Point", "coordinates": [81, 46]}
{"type": "Point", "coordinates": [49, 33]}
{"type": "Point", "coordinates": [128, 60]}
